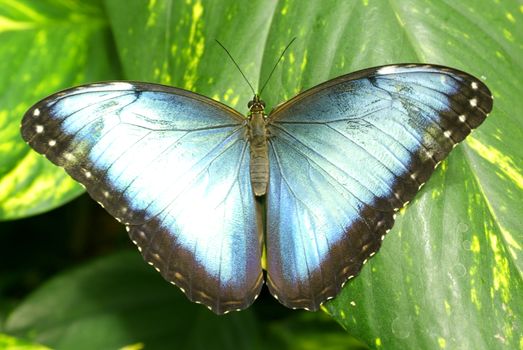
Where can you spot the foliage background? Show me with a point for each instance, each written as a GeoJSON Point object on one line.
{"type": "Point", "coordinates": [449, 273]}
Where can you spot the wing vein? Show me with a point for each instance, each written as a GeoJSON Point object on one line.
{"type": "Point", "coordinates": [195, 178]}
{"type": "Point", "coordinates": [325, 173]}
{"type": "Point", "coordinates": [320, 167]}
{"type": "Point", "coordinates": [305, 122]}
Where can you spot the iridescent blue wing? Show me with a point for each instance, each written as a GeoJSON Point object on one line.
{"type": "Point", "coordinates": [347, 154]}
{"type": "Point", "coordinates": [173, 167]}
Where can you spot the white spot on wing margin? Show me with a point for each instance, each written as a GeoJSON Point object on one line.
{"type": "Point", "coordinates": [387, 70]}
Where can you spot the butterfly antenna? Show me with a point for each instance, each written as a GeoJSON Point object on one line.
{"type": "Point", "coordinates": [276, 65]}
{"type": "Point", "coordinates": [236, 64]}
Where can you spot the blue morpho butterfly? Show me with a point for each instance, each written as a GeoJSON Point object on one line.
{"type": "Point", "coordinates": [313, 187]}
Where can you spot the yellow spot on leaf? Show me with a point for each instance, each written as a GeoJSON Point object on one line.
{"type": "Point", "coordinates": [400, 21]}
{"type": "Point", "coordinates": [474, 246]}
{"type": "Point", "coordinates": [442, 342]}
{"type": "Point", "coordinates": [235, 100]}
{"type": "Point", "coordinates": [473, 270]}
{"type": "Point", "coordinates": [435, 193]}
{"type": "Point", "coordinates": [292, 58]}
{"type": "Point", "coordinates": [34, 191]}
{"type": "Point", "coordinates": [227, 94]}
{"type": "Point", "coordinates": [511, 242]}
{"type": "Point", "coordinates": [284, 10]}
{"type": "Point", "coordinates": [447, 307]}
{"type": "Point", "coordinates": [304, 61]}
{"type": "Point", "coordinates": [508, 34]}
{"type": "Point", "coordinates": [137, 346]}
{"type": "Point", "coordinates": [502, 161]}
{"type": "Point", "coordinates": [166, 77]}
{"type": "Point", "coordinates": [500, 270]}
{"type": "Point", "coordinates": [510, 17]}
{"type": "Point", "coordinates": [199, 47]}
{"type": "Point", "coordinates": [378, 342]}
{"type": "Point", "coordinates": [28, 11]}
{"type": "Point", "coordinates": [197, 11]}
{"type": "Point", "coordinates": [12, 343]}
{"type": "Point", "coordinates": [196, 46]}
{"type": "Point", "coordinates": [7, 24]}
{"type": "Point", "coordinates": [474, 298]}
{"type": "Point", "coordinates": [151, 20]}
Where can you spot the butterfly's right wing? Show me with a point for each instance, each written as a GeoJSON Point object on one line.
{"type": "Point", "coordinates": [344, 156]}
{"type": "Point", "coordinates": [173, 167]}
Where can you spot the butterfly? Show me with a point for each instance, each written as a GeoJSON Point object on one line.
{"type": "Point", "coordinates": [213, 198]}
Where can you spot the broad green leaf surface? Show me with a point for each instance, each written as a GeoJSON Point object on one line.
{"type": "Point", "coordinates": [449, 273]}
{"type": "Point", "coordinates": [45, 46]}
{"type": "Point", "coordinates": [11, 343]}
{"type": "Point", "coordinates": [117, 301]}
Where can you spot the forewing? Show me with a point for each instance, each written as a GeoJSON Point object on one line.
{"type": "Point", "coordinates": [173, 167]}
{"type": "Point", "coordinates": [347, 154]}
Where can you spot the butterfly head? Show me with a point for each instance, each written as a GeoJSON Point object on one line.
{"type": "Point", "coordinates": [256, 105]}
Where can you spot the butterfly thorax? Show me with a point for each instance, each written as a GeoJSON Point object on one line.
{"type": "Point", "coordinates": [259, 165]}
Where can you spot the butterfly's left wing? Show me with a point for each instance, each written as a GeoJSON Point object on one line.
{"type": "Point", "coordinates": [173, 167]}
{"type": "Point", "coordinates": [347, 154]}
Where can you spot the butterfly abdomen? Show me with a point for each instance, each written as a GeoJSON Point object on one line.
{"type": "Point", "coordinates": [259, 165]}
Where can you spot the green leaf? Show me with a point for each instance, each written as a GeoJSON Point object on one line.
{"type": "Point", "coordinates": [449, 273]}
{"type": "Point", "coordinates": [309, 331]}
{"type": "Point", "coordinates": [119, 301]}
{"type": "Point", "coordinates": [11, 343]}
{"type": "Point", "coordinates": [45, 46]}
